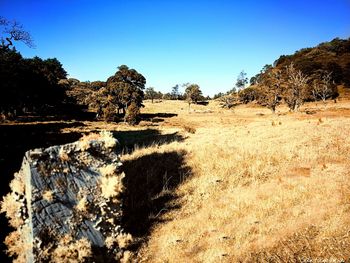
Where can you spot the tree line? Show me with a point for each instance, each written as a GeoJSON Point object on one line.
{"type": "Point", "coordinates": [288, 84]}
{"type": "Point", "coordinates": [37, 86]}
{"type": "Point", "coordinates": [310, 74]}
{"type": "Point", "coordinates": [28, 85]}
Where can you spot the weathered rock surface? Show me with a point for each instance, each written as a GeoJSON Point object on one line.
{"type": "Point", "coordinates": [66, 202]}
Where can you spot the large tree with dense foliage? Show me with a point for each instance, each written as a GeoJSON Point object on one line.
{"type": "Point", "coordinates": [123, 90]}
{"type": "Point", "coordinates": [29, 85]}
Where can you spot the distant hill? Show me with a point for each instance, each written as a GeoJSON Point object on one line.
{"type": "Point", "coordinates": [333, 56]}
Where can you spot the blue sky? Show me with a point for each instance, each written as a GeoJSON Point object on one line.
{"type": "Point", "coordinates": [175, 41]}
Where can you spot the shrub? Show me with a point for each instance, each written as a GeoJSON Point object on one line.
{"type": "Point", "coordinates": [247, 95]}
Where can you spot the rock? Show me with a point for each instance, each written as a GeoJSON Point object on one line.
{"type": "Point", "coordinates": [58, 202]}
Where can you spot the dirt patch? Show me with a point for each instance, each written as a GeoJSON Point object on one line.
{"type": "Point", "coordinates": [300, 171]}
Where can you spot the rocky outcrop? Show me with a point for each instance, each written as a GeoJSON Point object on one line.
{"type": "Point", "coordinates": [65, 203]}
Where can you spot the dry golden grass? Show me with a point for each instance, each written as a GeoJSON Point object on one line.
{"type": "Point", "coordinates": [258, 187]}
{"type": "Point", "coordinates": [263, 187]}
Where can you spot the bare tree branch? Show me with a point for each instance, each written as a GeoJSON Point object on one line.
{"type": "Point", "coordinates": [296, 87]}
{"type": "Point", "coordinates": [322, 89]}
{"type": "Point", "coordinates": [13, 31]}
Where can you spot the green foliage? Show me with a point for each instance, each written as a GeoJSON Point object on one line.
{"type": "Point", "coordinates": [242, 80]}
{"type": "Point", "coordinates": [151, 94]}
{"type": "Point", "coordinates": [123, 89]}
{"type": "Point", "coordinates": [218, 95]}
{"type": "Point", "coordinates": [167, 96]}
{"type": "Point", "coordinates": [50, 68]}
{"type": "Point", "coordinates": [175, 93]}
{"type": "Point", "coordinates": [29, 85]}
{"type": "Point", "coordinates": [193, 93]}
{"type": "Point", "coordinates": [302, 75]}
{"type": "Point", "coordinates": [255, 80]}
{"type": "Point", "coordinates": [331, 56]}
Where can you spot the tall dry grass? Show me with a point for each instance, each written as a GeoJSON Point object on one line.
{"type": "Point", "coordinates": [263, 187]}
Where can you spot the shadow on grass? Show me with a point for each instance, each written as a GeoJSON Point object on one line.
{"type": "Point", "coordinates": [129, 140]}
{"type": "Point", "coordinates": [156, 117]}
{"type": "Point", "coordinates": [203, 103]}
{"type": "Point", "coordinates": [150, 181]}
{"type": "Point", "coordinates": [15, 140]}
{"type": "Point", "coordinates": [64, 112]}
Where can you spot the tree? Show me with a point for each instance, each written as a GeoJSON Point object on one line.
{"type": "Point", "coordinates": [229, 101]}
{"type": "Point", "coordinates": [150, 93]}
{"type": "Point", "coordinates": [29, 85]}
{"type": "Point", "coordinates": [232, 91]}
{"type": "Point", "coordinates": [51, 68]}
{"type": "Point", "coordinates": [255, 80]}
{"type": "Point", "coordinates": [159, 95]}
{"type": "Point", "coordinates": [124, 88]}
{"type": "Point", "coordinates": [242, 80]}
{"type": "Point", "coordinates": [346, 75]}
{"type": "Point", "coordinates": [96, 85]}
{"type": "Point", "coordinates": [175, 92]}
{"type": "Point", "coordinates": [13, 31]}
{"type": "Point", "coordinates": [192, 93]}
{"type": "Point", "coordinates": [337, 72]}
{"type": "Point", "coordinates": [266, 68]}
{"type": "Point", "coordinates": [270, 89]}
{"type": "Point", "coordinates": [218, 95]}
{"type": "Point", "coordinates": [247, 95]}
{"type": "Point", "coordinates": [296, 89]}
{"type": "Point", "coordinates": [132, 114]}
{"type": "Point", "coordinates": [323, 88]}
{"type": "Point", "coordinates": [166, 96]}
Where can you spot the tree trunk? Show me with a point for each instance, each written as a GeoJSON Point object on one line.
{"type": "Point", "coordinates": [273, 109]}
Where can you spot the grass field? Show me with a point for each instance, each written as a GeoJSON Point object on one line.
{"type": "Point", "coordinates": [259, 187]}
{"type": "Point", "coordinates": [243, 185]}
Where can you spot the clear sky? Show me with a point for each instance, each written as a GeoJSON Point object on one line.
{"type": "Point", "coordinates": [175, 41]}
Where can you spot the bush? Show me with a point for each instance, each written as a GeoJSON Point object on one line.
{"type": "Point", "coordinates": [247, 95]}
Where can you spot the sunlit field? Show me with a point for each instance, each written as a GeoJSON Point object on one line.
{"type": "Point", "coordinates": [207, 184]}
{"type": "Point", "coordinates": [258, 186]}
{"type": "Point", "coordinates": [175, 131]}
